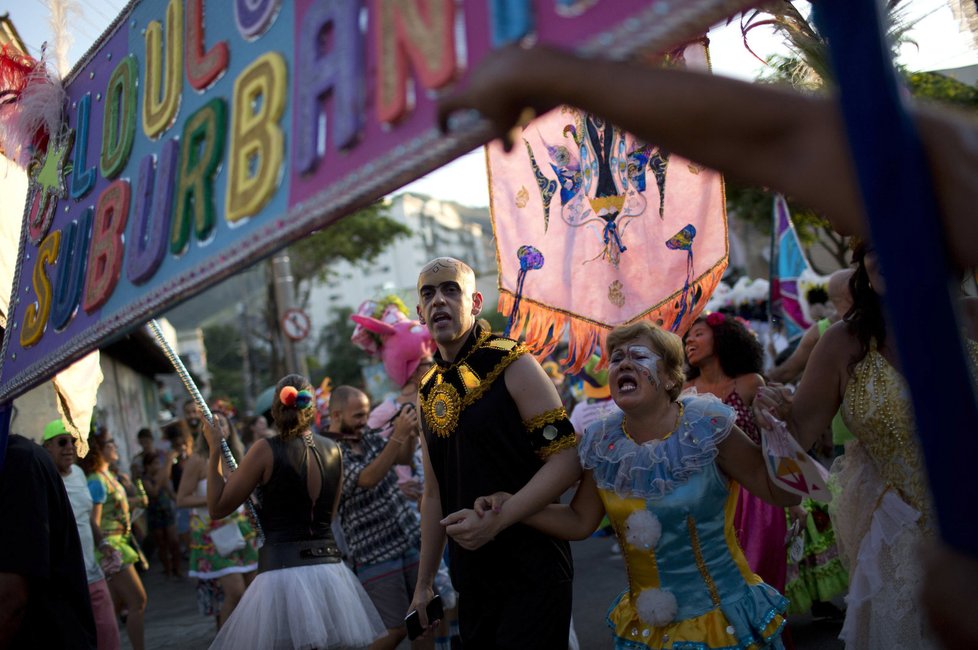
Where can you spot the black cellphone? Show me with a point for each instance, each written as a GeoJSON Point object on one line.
{"type": "Point", "coordinates": [435, 612]}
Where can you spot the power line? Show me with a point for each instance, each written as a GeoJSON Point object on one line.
{"type": "Point", "coordinates": [101, 14]}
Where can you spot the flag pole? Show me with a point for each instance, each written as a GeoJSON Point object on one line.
{"type": "Point", "coordinates": [191, 387]}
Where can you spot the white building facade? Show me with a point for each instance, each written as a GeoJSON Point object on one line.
{"type": "Point", "coordinates": [438, 228]}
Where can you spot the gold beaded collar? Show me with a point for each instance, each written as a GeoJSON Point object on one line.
{"type": "Point", "coordinates": [446, 391]}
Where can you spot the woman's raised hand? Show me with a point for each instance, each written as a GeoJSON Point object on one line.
{"type": "Point", "coordinates": [214, 433]}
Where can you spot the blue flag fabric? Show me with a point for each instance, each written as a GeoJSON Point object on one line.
{"type": "Point", "coordinates": [788, 262]}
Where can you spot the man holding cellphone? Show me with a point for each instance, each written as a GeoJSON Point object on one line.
{"type": "Point", "coordinates": [492, 421]}
{"type": "Point", "coordinates": [380, 527]}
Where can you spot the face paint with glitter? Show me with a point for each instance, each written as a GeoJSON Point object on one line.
{"type": "Point", "coordinates": [640, 355]}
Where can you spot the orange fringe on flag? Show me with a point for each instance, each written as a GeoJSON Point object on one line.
{"type": "Point", "coordinates": [544, 327]}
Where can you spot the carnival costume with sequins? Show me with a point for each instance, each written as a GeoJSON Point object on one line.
{"type": "Point", "coordinates": [690, 587]}
{"type": "Point", "coordinates": [515, 592]}
{"type": "Point", "coordinates": [881, 509]}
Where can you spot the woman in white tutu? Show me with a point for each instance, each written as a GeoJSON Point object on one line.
{"type": "Point", "coordinates": [304, 596]}
{"type": "Point", "coordinates": [881, 507]}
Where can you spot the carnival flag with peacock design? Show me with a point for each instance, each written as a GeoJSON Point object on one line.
{"type": "Point", "coordinates": [595, 228]}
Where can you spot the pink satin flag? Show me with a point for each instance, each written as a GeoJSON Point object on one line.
{"type": "Point", "coordinates": [595, 228]}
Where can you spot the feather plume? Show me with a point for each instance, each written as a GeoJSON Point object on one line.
{"type": "Point", "coordinates": [59, 12]}
{"type": "Point", "coordinates": [31, 105]}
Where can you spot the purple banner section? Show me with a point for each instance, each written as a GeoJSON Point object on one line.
{"type": "Point", "coordinates": [201, 144]}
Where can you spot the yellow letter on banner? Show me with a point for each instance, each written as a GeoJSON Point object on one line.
{"type": "Point", "coordinates": [257, 142]}
{"type": "Point", "coordinates": [36, 316]}
{"type": "Point", "coordinates": [161, 94]}
{"type": "Point", "coordinates": [421, 32]}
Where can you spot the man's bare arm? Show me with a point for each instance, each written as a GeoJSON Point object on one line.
{"type": "Point", "coordinates": [533, 393]}
{"type": "Point", "coordinates": [432, 538]}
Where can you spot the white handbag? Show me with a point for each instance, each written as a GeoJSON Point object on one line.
{"type": "Point", "coordinates": [227, 539]}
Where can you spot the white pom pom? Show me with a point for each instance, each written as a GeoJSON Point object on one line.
{"type": "Point", "coordinates": [656, 607]}
{"type": "Point", "coordinates": [642, 529]}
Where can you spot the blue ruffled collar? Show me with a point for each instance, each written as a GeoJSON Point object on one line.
{"type": "Point", "coordinates": [653, 469]}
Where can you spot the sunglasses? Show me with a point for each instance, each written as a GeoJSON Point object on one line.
{"type": "Point", "coordinates": [63, 442]}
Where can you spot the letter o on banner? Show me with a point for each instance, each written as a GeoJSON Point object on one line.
{"type": "Point", "coordinates": [254, 17]}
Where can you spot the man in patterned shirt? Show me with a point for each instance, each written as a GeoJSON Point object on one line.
{"type": "Point", "coordinates": [378, 522]}
{"type": "Point", "coordinates": [492, 422]}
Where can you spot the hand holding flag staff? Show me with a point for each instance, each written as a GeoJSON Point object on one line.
{"type": "Point", "coordinates": [191, 387]}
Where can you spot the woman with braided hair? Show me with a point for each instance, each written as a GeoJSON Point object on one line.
{"type": "Point", "coordinates": [304, 596]}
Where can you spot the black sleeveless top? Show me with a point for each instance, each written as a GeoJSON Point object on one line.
{"type": "Point", "coordinates": [287, 513]}
{"type": "Point", "coordinates": [477, 445]}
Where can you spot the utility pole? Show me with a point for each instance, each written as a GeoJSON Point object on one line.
{"type": "Point", "coordinates": [295, 360]}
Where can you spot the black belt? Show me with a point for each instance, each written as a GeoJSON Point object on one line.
{"type": "Point", "coordinates": [284, 555]}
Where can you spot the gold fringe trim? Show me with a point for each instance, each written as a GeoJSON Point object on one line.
{"type": "Point", "coordinates": [569, 441]}
{"type": "Point", "coordinates": [545, 418]}
{"type": "Point", "coordinates": [543, 326]}
{"type": "Point", "coordinates": [512, 356]}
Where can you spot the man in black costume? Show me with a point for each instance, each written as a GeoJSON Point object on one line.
{"type": "Point", "coordinates": [492, 421]}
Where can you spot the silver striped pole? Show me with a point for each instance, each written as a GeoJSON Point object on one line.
{"type": "Point", "coordinates": [191, 387]}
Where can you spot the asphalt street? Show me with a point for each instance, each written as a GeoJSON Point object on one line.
{"type": "Point", "coordinates": [172, 621]}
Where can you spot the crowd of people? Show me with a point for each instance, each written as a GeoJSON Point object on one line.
{"type": "Point", "coordinates": [451, 487]}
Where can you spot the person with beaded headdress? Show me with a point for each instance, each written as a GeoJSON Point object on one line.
{"type": "Point", "coordinates": [492, 420]}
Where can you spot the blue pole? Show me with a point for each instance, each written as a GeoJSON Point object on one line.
{"type": "Point", "coordinates": [905, 228]}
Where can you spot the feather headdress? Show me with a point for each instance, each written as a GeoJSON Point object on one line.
{"type": "Point", "coordinates": [32, 103]}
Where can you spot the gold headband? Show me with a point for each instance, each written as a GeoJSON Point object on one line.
{"type": "Point", "coordinates": [447, 269]}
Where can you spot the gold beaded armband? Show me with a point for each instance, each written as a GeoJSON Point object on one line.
{"type": "Point", "coordinates": [550, 432]}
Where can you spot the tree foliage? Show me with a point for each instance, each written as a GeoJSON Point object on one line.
{"type": "Point", "coordinates": [943, 89]}
{"type": "Point", "coordinates": [807, 69]}
{"type": "Point", "coordinates": [225, 363]}
{"type": "Point", "coordinates": [344, 361]}
{"type": "Point", "coordinates": [358, 239]}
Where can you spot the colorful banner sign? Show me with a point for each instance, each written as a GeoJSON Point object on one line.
{"type": "Point", "coordinates": [202, 136]}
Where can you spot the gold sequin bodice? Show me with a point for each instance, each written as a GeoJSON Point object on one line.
{"type": "Point", "coordinates": [877, 409]}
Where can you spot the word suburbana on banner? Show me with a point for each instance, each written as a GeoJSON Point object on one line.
{"type": "Point", "coordinates": [202, 135]}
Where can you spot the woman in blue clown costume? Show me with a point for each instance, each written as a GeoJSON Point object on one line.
{"type": "Point", "coordinates": [667, 472]}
